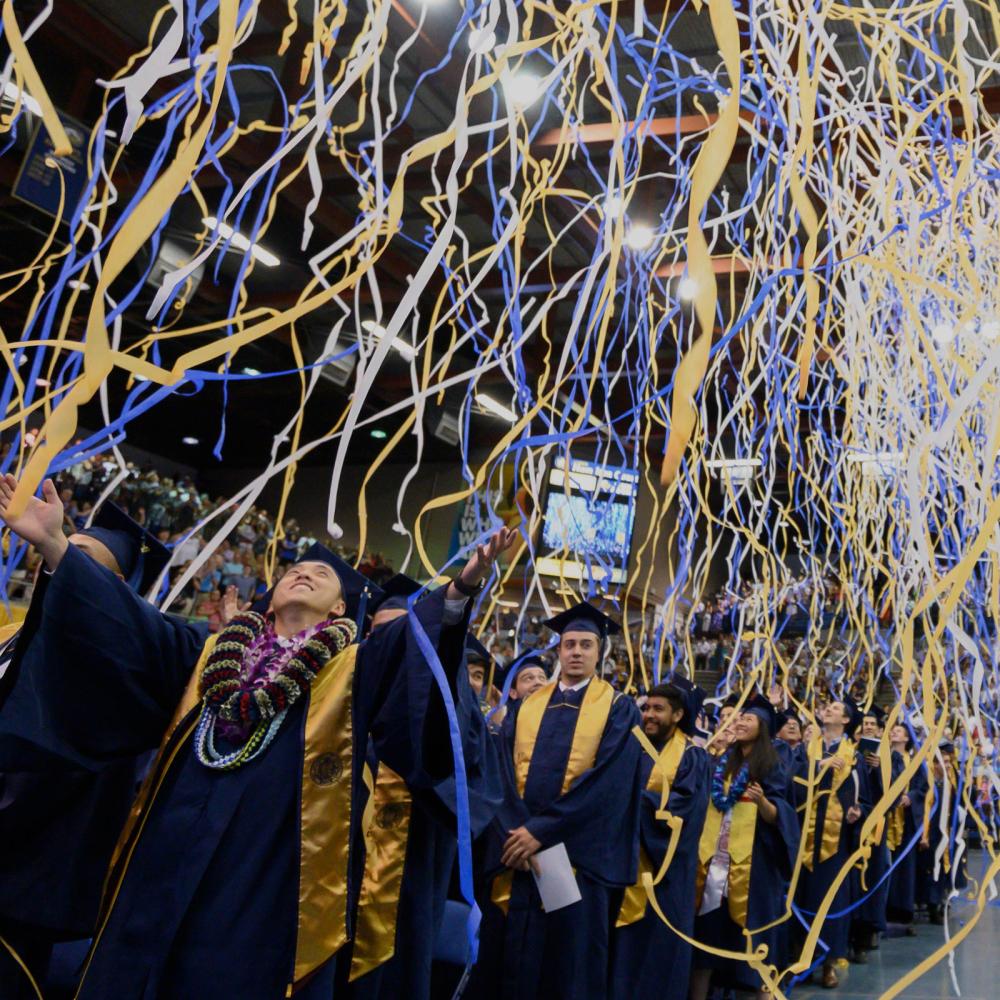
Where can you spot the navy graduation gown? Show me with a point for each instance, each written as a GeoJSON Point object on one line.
{"type": "Point", "coordinates": [772, 859]}
{"type": "Point", "coordinates": [431, 851]}
{"type": "Point", "coordinates": [872, 891]}
{"type": "Point", "coordinates": [814, 884]}
{"type": "Point", "coordinates": [528, 954]}
{"type": "Point", "coordinates": [649, 959]}
{"type": "Point", "coordinates": [209, 899]}
{"type": "Point", "coordinates": [903, 881]}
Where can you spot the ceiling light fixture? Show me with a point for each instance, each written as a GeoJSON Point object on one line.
{"type": "Point", "coordinates": [943, 333]}
{"type": "Point", "coordinates": [189, 440]}
{"type": "Point", "coordinates": [687, 288]}
{"type": "Point", "coordinates": [79, 286]}
{"type": "Point", "coordinates": [489, 404]}
{"type": "Point", "coordinates": [481, 40]}
{"type": "Point", "coordinates": [250, 371]}
{"type": "Point", "coordinates": [240, 242]}
{"type": "Point", "coordinates": [640, 237]}
{"type": "Point", "coordinates": [614, 206]}
{"type": "Point", "coordinates": [379, 434]}
{"type": "Point", "coordinates": [408, 351]}
{"type": "Point", "coordinates": [522, 89]}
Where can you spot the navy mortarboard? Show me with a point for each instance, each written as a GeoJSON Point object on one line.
{"type": "Point", "coordinates": [140, 557]}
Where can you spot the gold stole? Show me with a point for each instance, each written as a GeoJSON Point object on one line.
{"type": "Point", "coordinates": [897, 819]}
{"type": "Point", "coordinates": [9, 630]}
{"type": "Point", "coordinates": [593, 717]}
{"type": "Point", "coordinates": [660, 779]}
{"type": "Point", "coordinates": [742, 829]}
{"type": "Point", "coordinates": [385, 844]}
{"type": "Point", "coordinates": [834, 818]}
{"type": "Point", "coordinates": [325, 815]}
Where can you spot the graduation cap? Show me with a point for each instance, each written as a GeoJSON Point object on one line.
{"type": "Point", "coordinates": [877, 713]}
{"type": "Point", "coordinates": [532, 660]}
{"type": "Point", "coordinates": [395, 594]}
{"type": "Point", "coordinates": [854, 716]}
{"type": "Point", "coordinates": [758, 705]}
{"type": "Point", "coordinates": [781, 718]}
{"type": "Point", "coordinates": [692, 696]}
{"type": "Point", "coordinates": [583, 617]}
{"type": "Point", "coordinates": [946, 746]}
{"type": "Point", "coordinates": [475, 650]}
{"type": "Point", "coordinates": [140, 557]}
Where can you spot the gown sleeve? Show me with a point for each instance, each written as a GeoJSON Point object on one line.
{"type": "Point", "coordinates": [398, 701]}
{"type": "Point", "coordinates": [687, 801]}
{"type": "Point", "coordinates": [780, 838]}
{"type": "Point", "coordinates": [101, 675]}
{"type": "Point", "coordinates": [598, 818]}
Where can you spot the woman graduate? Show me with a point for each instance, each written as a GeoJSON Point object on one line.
{"type": "Point", "coordinates": [571, 774]}
{"type": "Point", "coordinates": [746, 855]}
{"type": "Point", "coordinates": [237, 875]}
{"type": "Point", "coordinates": [841, 799]}
{"type": "Point", "coordinates": [904, 828]}
{"type": "Point", "coordinates": [649, 959]}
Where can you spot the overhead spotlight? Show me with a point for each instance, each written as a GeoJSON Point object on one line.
{"type": "Point", "coordinates": [687, 288]}
{"type": "Point", "coordinates": [481, 40]}
{"type": "Point", "coordinates": [640, 237]}
{"type": "Point", "coordinates": [523, 89]}
{"type": "Point", "coordinates": [189, 440]}
{"type": "Point", "coordinates": [42, 383]}
{"type": "Point", "coordinates": [489, 404]}
{"type": "Point", "coordinates": [249, 371]}
{"type": "Point", "coordinates": [943, 333]}
{"type": "Point", "coordinates": [614, 206]}
{"type": "Point", "coordinates": [379, 434]}
{"type": "Point", "coordinates": [240, 241]}
{"type": "Point", "coordinates": [79, 286]}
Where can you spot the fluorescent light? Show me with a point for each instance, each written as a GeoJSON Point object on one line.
{"type": "Point", "coordinates": [943, 333]}
{"type": "Point", "coordinates": [189, 440]}
{"type": "Point", "coordinates": [240, 241]}
{"type": "Point", "coordinates": [250, 371]}
{"type": "Point", "coordinates": [687, 288]}
{"type": "Point", "coordinates": [379, 434]}
{"type": "Point", "coordinates": [42, 383]}
{"type": "Point", "coordinates": [11, 92]}
{"type": "Point", "coordinates": [378, 332]}
{"type": "Point", "coordinates": [640, 237]}
{"type": "Point", "coordinates": [489, 404]}
{"type": "Point", "coordinates": [481, 40]}
{"type": "Point", "coordinates": [80, 286]}
{"type": "Point", "coordinates": [523, 89]}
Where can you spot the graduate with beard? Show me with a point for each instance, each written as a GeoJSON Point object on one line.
{"type": "Point", "coordinates": [570, 763]}
{"type": "Point", "coordinates": [649, 959]}
{"type": "Point", "coordinates": [841, 800]}
{"type": "Point", "coordinates": [746, 855]}
{"type": "Point", "coordinates": [49, 894]}
{"type": "Point", "coordinates": [904, 828]}
{"type": "Point", "coordinates": [237, 874]}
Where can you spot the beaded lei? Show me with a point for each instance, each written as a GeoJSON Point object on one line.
{"type": "Point", "coordinates": [722, 800]}
{"type": "Point", "coordinates": [253, 677]}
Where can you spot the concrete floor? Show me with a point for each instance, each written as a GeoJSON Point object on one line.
{"type": "Point", "coordinates": [977, 961]}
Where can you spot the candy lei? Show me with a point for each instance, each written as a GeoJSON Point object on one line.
{"type": "Point", "coordinates": [242, 701]}
{"type": "Point", "coordinates": [722, 800]}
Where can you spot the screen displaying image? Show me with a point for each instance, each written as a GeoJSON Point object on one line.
{"type": "Point", "coordinates": [587, 528]}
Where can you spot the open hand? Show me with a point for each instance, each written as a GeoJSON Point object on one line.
{"type": "Point", "coordinates": [519, 850]}
{"type": "Point", "coordinates": [41, 522]}
{"type": "Point", "coordinates": [481, 564]}
{"type": "Point", "coordinates": [230, 606]}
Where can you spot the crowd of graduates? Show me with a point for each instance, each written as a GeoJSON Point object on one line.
{"type": "Point", "coordinates": [307, 773]}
